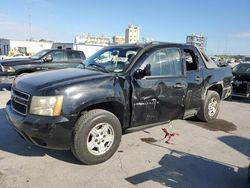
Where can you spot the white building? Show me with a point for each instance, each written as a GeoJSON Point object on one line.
{"type": "Point", "coordinates": [118, 39]}
{"type": "Point", "coordinates": [92, 39]}
{"type": "Point", "coordinates": [132, 34]}
{"type": "Point", "coordinates": [200, 41]}
{"type": "Point", "coordinates": [7, 45]}
{"type": "Point", "coordinates": [63, 45]}
{"type": "Point", "coordinates": [88, 49]}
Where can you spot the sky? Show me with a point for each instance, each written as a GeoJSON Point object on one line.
{"type": "Point", "coordinates": [225, 23]}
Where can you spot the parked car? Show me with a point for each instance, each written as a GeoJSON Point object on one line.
{"type": "Point", "coordinates": [222, 63]}
{"type": "Point", "coordinates": [246, 60]}
{"type": "Point", "coordinates": [241, 80]}
{"type": "Point", "coordinates": [3, 57]}
{"type": "Point", "coordinates": [18, 55]}
{"type": "Point", "coordinates": [118, 89]}
{"type": "Point", "coordinates": [43, 60]}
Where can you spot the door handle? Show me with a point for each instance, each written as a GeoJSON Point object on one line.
{"type": "Point", "coordinates": [197, 78]}
{"type": "Point", "coordinates": [179, 85]}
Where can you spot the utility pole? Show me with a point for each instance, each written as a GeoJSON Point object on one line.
{"type": "Point", "coordinates": [30, 28]}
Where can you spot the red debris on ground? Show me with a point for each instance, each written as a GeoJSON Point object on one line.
{"type": "Point", "coordinates": [168, 136]}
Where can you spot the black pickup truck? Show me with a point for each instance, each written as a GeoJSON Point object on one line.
{"type": "Point", "coordinates": [119, 88]}
{"type": "Point", "coordinates": [43, 60]}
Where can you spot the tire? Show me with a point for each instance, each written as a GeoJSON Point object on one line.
{"type": "Point", "coordinates": [96, 136]}
{"type": "Point", "coordinates": [210, 108]}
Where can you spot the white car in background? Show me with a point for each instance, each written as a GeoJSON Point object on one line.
{"type": "Point", "coordinates": [2, 57]}
{"type": "Point", "coordinates": [19, 55]}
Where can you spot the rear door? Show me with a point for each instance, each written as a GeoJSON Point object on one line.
{"type": "Point", "coordinates": [194, 78]}
{"type": "Point", "coordinates": [161, 95]}
{"type": "Point", "coordinates": [74, 58]}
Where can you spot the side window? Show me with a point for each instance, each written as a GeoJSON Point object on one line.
{"type": "Point", "coordinates": [191, 63]}
{"type": "Point", "coordinates": [164, 62]}
{"type": "Point", "coordinates": [74, 55]}
{"type": "Point", "coordinates": [57, 56]}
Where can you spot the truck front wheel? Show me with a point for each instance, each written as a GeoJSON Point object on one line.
{"type": "Point", "coordinates": [210, 108]}
{"type": "Point", "coordinates": [96, 136]}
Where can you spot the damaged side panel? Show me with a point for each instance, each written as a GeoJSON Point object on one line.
{"type": "Point", "coordinates": [157, 99]}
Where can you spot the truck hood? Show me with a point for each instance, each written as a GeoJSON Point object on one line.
{"type": "Point", "coordinates": [49, 82]}
{"type": "Point", "coordinates": [16, 61]}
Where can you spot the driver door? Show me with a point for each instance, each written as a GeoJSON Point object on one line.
{"type": "Point", "coordinates": [160, 95]}
{"type": "Point", "coordinates": [58, 60]}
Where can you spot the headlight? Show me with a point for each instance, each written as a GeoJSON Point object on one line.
{"type": "Point", "coordinates": [8, 69]}
{"type": "Point", "coordinates": [46, 106]}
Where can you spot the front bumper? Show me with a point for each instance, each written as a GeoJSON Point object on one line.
{"type": "Point", "coordinates": [48, 132]}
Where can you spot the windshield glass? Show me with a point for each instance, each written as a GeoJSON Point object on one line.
{"type": "Point", "coordinates": [38, 55]}
{"type": "Point", "coordinates": [112, 59]}
{"type": "Point", "coordinates": [242, 69]}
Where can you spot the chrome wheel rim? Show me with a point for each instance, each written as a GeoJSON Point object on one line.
{"type": "Point", "coordinates": [100, 139]}
{"type": "Point", "coordinates": [212, 107]}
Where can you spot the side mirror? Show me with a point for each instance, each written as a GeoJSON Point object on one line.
{"type": "Point", "coordinates": [48, 58]}
{"type": "Point", "coordinates": [140, 73]}
{"type": "Point", "coordinates": [81, 65]}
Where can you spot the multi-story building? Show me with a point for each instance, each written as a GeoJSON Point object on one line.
{"type": "Point", "coordinates": [132, 34]}
{"type": "Point", "coordinates": [118, 39]}
{"type": "Point", "coordinates": [92, 39]}
{"type": "Point", "coordinates": [200, 41]}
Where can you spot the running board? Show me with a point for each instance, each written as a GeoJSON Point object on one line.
{"type": "Point", "coordinates": [142, 127]}
{"type": "Point", "coordinates": [240, 95]}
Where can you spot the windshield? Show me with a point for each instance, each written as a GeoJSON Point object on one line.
{"type": "Point", "coordinates": [242, 69]}
{"type": "Point", "coordinates": [112, 59]}
{"type": "Point", "coordinates": [39, 54]}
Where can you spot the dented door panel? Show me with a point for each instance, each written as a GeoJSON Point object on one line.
{"type": "Point", "coordinates": [157, 99]}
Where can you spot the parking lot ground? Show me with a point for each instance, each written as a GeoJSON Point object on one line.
{"type": "Point", "coordinates": [203, 155]}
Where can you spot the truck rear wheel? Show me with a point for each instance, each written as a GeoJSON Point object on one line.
{"type": "Point", "coordinates": [210, 108]}
{"type": "Point", "coordinates": [96, 136]}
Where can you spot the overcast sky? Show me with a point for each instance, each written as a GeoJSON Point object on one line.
{"type": "Point", "coordinates": [226, 23]}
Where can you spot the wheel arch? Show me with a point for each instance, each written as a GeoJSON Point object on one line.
{"type": "Point", "coordinates": [115, 107]}
{"type": "Point", "coordinates": [217, 88]}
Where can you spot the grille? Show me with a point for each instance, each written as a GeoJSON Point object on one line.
{"type": "Point", "coordinates": [19, 101]}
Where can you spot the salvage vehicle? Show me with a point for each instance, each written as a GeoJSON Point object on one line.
{"type": "Point", "coordinates": [246, 60]}
{"type": "Point", "coordinates": [43, 60]}
{"type": "Point", "coordinates": [118, 89]}
{"type": "Point", "coordinates": [241, 80]}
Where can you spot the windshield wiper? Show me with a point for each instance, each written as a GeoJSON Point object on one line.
{"type": "Point", "coordinates": [97, 66]}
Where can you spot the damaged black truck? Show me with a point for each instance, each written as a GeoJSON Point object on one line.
{"type": "Point", "coordinates": [119, 88]}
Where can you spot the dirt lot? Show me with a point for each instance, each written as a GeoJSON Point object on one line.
{"type": "Point", "coordinates": [203, 155]}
